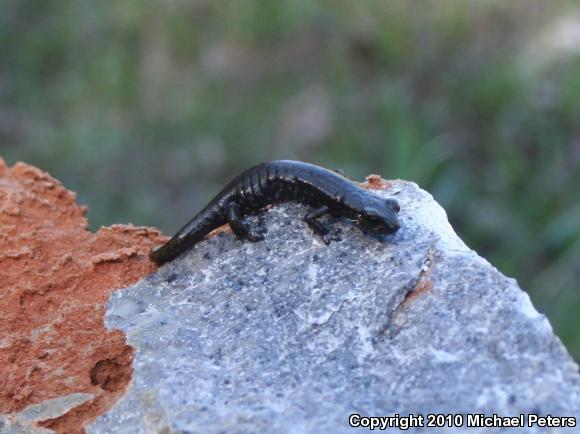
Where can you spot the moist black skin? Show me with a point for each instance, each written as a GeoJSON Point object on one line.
{"type": "Point", "coordinates": [326, 191]}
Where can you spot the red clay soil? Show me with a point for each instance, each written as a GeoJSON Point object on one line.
{"type": "Point", "coordinates": [375, 182]}
{"type": "Point", "coordinates": [55, 278]}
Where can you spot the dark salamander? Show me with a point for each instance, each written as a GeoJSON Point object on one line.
{"type": "Point", "coordinates": [326, 191]}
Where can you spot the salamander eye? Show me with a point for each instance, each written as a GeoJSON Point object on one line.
{"type": "Point", "coordinates": [393, 205]}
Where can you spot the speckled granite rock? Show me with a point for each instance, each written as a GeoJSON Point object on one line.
{"type": "Point", "coordinates": [292, 336]}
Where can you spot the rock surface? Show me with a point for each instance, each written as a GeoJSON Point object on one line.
{"type": "Point", "coordinates": [292, 336]}
{"type": "Point", "coordinates": [55, 277]}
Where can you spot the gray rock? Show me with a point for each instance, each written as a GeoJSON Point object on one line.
{"type": "Point", "coordinates": [24, 422]}
{"type": "Point", "coordinates": [292, 336]}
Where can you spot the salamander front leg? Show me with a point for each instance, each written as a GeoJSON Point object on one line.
{"type": "Point", "coordinates": [240, 229]}
{"type": "Point", "coordinates": [323, 231]}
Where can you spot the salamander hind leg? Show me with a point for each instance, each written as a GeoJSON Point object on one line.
{"type": "Point", "coordinates": [320, 229]}
{"type": "Point", "coordinates": [240, 229]}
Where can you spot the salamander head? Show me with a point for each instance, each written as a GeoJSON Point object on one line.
{"type": "Point", "coordinates": [375, 214]}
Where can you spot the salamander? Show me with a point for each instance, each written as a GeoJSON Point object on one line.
{"type": "Point", "coordinates": [326, 191]}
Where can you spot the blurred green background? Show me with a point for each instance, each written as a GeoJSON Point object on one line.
{"type": "Point", "coordinates": [146, 108]}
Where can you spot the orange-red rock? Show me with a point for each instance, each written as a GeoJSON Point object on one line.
{"type": "Point", "coordinates": [55, 278]}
